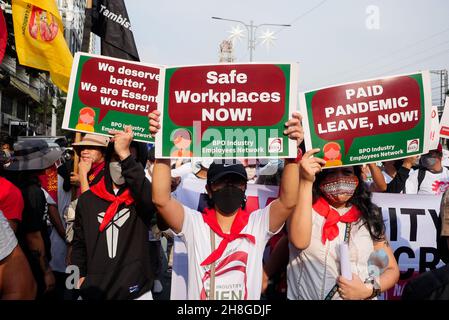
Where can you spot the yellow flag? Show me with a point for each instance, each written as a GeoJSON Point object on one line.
{"type": "Point", "coordinates": [40, 39]}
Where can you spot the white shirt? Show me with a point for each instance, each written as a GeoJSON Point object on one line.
{"type": "Point", "coordinates": [244, 256]}
{"type": "Point", "coordinates": [433, 183]}
{"type": "Point", "coordinates": [311, 273]}
{"type": "Point", "coordinates": [387, 177]}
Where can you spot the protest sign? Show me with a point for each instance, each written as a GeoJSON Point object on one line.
{"type": "Point", "coordinates": [410, 222]}
{"type": "Point", "coordinates": [444, 123]}
{"type": "Point", "coordinates": [434, 129]}
{"type": "Point", "coordinates": [227, 111]}
{"type": "Point", "coordinates": [369, 121]}
{"type": "Point", "coordinates": [108, 93]}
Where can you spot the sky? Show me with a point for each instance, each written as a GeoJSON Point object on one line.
{"type": "Point", "coordinates": [334, 41]}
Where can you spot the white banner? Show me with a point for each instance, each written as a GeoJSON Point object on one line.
{"type": "Point", "coordinates": [410, 226]}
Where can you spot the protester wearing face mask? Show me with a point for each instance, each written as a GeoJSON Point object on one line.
{"type": "Point", "coordinates": [431, 177]}
{"type": "Point", "coordinates": [342, 212]}
{"type": "Point", "coordinates": [112, 224]}
{"type": "Point", "coordinates": [225, 243]}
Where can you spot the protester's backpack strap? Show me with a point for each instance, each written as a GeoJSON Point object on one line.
{"type": "Point", "coordinates": [421, 175]}
{"type": "Point", "coordinates": [334, 289]}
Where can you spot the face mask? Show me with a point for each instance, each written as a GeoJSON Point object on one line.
{"type": "Point", "coordinates": [344, 186]}
{"type": "Point", "coordinates": [115, 169]}
{"type": "Point", "coordinates": [228, 199]}
{"type": "Point", "coordinates": [428, 161]}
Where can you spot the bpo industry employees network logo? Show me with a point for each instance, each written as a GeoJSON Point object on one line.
{"type": "Point", "coordinates": [412, 145]}
{"type": "Point", "coordinates": [275, 145]}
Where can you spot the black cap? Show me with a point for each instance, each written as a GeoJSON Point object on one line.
{"type": "Point", "coordinates": [223, 168]}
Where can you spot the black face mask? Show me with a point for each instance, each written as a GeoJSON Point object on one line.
{"type": "Point", "coordinates": [228, 199]}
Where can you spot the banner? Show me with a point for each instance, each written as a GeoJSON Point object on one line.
{"type": "Point", "coordinates": [111, 23]}
{"type": "Point", "coordinates": [40, 42]}
{"type": "Point", "coordinates": [411, 222]}
{"type": "Point", "coordinates": [369, 121]}
{"type": "Point", "coordinates": [227, 111]}
{"type": "Point", "coordinates": [410, 227]}
{"type": "Point", "coordinates": [444, 122]}
{"type": "Point", "coordinates": [107, 94]}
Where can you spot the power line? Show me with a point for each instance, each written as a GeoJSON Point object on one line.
{"type": "Point", "coordinates": [405, 58]}
{"type": "Point", "coordinates": [418, 61]}
{"type": "Point", "coordinates": [303, 15]}
{"type": "Point", "coordinates": [388, 55]}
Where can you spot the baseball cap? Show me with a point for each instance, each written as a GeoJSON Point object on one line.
{"type": "Point", "coordinates": [218, 170]}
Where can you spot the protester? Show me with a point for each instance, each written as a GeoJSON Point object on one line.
{"type": "Point", "coordinates": [431, 177]}
{"type": "Point", "coordinates": [393, 176]}
{"type": "Point", "coordinates": [91, 150]}
{"type": "Point", "coordinates": [112, 224]}
{"type": "Point", "coordinates": [30, 158]}
{"type": "Point", "coordinates": [342, 213]}
{"type": "Point", "coordinates": [434, 284]}
{"type": "Point", "coordinates": [238, 236]}
{"type": "Point", "coordinates": [16, 279]}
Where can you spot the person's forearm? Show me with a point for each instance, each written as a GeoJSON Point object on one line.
{"type": "Point", "coordinates": [138, 184]}
{"type": "Point", "coordinates": [161, 176]}
{"type": "Point", "coordinates": [300, 226]}
{"type": "Point", "coordinates": [36, 246]}
{"type": "Point", "coordinates": [84, 183]}
{"type": "Point", "coordinates": [56, 221]}
{"type": "Point", "coordinates": [388, 279]}
{"type": "Point", "coordinates": [378, 177]}
{"type": "Point", "coordinates": [288, 194]}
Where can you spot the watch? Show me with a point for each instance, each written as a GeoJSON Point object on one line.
{"type": "Point", "coordinates": [376, 287]}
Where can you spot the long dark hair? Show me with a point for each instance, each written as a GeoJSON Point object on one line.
{"type": "Point", "coordinates": [371, 214]}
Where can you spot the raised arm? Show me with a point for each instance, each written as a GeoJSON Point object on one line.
{"type": "Point", "coordinates": [168, 208]}
{"type": "Point", "coordinates": [300, 223]}
{"type": "Point", "coordinates": [282, 207]}
{"type": "Point", "coordinates": [378, 177]}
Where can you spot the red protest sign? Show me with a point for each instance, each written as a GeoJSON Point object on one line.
{"type": "Point", "coordinates": [227, 110]}
{"type": "Point", "coordinates": [119, 86]}
{"type": "Point", "coordinates": [230, 99]}
{"type": "Point", "coordinates": [357, 110]}
{"type": "Point", "coordinates": [367, 121]}
{"type": "Point", "coordinates": [108, 94]}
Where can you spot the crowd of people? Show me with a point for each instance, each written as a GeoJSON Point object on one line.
{"type": "Point", "coordinates": [104, 215]}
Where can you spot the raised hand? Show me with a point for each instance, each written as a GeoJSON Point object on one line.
{"type": "Point", "coordinates": [310, 166]}
{"type": "Point", "coordinates": [154, 122]}
{"type": "Point", "coordinates": [294, 128]}
{"type": "Point", "coordinates": [122, 141]}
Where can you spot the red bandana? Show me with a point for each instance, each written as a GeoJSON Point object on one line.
{"type": "Point", "coordinates": [240, 222]}
{"type": "Point", "coordinates": [95, 170]}
{"type": "Point", "coordinates": [330, 228]}
{"type": "Point", "coordinates": [100, 190]}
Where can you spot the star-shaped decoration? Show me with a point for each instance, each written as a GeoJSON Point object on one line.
{"type": "Point", "coordinates": [268, 38]}
{"type": "Point", "coordinates": [236, 33]}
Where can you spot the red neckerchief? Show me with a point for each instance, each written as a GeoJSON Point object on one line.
{"type": "Point", "coordinates": [240, 222]}
{"type": "Point", "coordinates": [100, 190]}
{"type": "Point", "coordinates": [330, 228]}
{"type": "Point", "coordinates": [95, 170]}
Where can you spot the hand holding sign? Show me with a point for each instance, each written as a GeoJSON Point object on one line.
{"type": "Point", "coordinates": [154, 121]}
{"type": "Point", "coordinates": [294, 128]}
